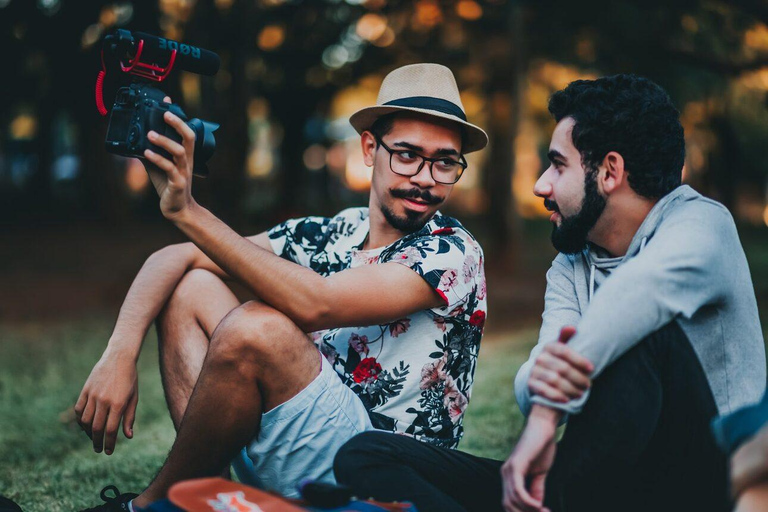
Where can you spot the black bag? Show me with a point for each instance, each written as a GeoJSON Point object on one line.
{"type": "Point", "coordinates": [7, 505]}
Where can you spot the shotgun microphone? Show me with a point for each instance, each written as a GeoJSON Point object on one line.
{"type": "Point", "coordinates": [189, 58]}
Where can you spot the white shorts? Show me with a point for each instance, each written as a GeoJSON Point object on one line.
{"type": "Point", "coordinates": [298, 439]}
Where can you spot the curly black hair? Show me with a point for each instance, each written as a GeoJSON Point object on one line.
{"type": "Point", "coordinates": [633, 116]}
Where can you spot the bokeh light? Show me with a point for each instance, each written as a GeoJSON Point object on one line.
{"type": "Point", "coordinates": [136, 177]}
{"type": "Point", "coordinates": [271, 37]}
{"type": "Point", "coordinates": [371, 26]}
{"type": "Point", "coordinates": [469, 10]}
{"type": "Point", "coordinates": [314, 157]}
{"type": "Point", "coordinates": [24, 127]}
{"type": "Point", "coordinates": [427, 14]}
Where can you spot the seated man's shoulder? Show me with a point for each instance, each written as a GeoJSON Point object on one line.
{"type": "Point", "coordinates": [347, 220]}
{"type": "Point", "coordinates": [442, 236]}
{"type": "Point", "coordinates": [452, 231]}
{"type": "Point", "coordinates": [690, 204]}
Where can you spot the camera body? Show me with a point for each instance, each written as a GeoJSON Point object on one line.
{"type": "Point", "coordinates": [139, 109]}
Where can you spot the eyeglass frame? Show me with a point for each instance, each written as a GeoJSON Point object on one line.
{"type": "Point", "coordinates": [424, 159]}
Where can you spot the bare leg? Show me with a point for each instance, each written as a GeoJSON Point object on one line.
{"type": "Point", "coordinates": [257, 360]}
{"type": "Point", "coordinates": [184, 329]}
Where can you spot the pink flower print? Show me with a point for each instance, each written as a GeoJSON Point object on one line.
{"type": "Point", "coordinates": [410, 256]}
{"type": "Point", "coordinates": [439, 322]}
{"type": "Point", "coordinates": [448, 280]}
{"type": "Point", "coordinates": [432, 373]}
{"type": "Point", "coordinates": [359, 343]}
{"type": "Point", "coordinates": [481, 289]}
{"type": "Point", "coordinates": [458, 310]}
{"type": "Point", "coordinates": [398, 327]}
{"type": "Point", "coordinates": [360, 258]}
{"type": "Point", "coordinates": [469, 271]}
{"type": "Point", "coordinates": [317, 335]}
{"type": "Point", "coordinates": [454, 400]}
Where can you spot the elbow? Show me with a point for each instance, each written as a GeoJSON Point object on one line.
{"type": "Point", "coordinates": [315, 311]}
{"type": "Point", "coordinates": [314, 317]}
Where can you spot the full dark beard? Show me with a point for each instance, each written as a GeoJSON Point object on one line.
{"type": "Point", "coordinates": [409, 223]}
{"type": "Point", "coordinates": [571, 236]}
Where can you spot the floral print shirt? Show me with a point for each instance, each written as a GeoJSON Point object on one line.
{"type": "Point", "coordinates": [414, 374]}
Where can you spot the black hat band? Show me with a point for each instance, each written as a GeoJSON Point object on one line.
{"type": "Point", "coordinates": [429, 103]}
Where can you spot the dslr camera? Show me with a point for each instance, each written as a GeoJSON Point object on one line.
{"type": "Point", "coordinates": [139, 107]}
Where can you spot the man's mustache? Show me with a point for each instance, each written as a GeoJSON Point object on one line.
{"type": "Point", "coordinates": [551, 206]}
{"type": "Point", "coordinates": [415, 193]}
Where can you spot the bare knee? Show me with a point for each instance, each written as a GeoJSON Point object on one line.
{"type": "Point", "coordinates": [193, 289]}
{"type": "Point", "coordinates": [258, 334]}
{"type": "Point", "coordinates": [190, 296]}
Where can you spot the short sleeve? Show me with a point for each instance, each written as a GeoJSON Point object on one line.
{"type": "Point", "coordinates": [449, 259]}
{"type": "Point", "coordinates": [297, 240]}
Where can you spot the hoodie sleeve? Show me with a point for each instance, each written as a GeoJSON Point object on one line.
{"type": "Point", "coordinates": [561, 308]}
{"type": "Point", "coordinates": [682, 268]}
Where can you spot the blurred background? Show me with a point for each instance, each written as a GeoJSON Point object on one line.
{"type": "Point", "coordinates": [77, 220]}
{"type": "Point", "coordinates": [76, 223]}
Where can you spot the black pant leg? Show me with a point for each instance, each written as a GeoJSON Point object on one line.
{"type": "Point", "coordinates": [392, 467]}
{"type": "Point", "coordinates": [642, 441]}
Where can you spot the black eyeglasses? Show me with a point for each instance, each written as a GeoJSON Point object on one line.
{"type": "Point", "coordinates": [407, 162]}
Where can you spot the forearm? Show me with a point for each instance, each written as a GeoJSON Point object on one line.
{"type": "Point", "coordinates": [561, 308]}
{"type": "Point", "coordinates": [294, 290]}
{"type": "Point", "coordinates": [543, 416]}
{"type": "Point", "coordinates": [668, 279]}
{"type": "Point", "coordinates": [149, 292]}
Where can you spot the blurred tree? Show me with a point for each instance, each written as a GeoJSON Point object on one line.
{"type": "Point", "coordinates": [297, 54]}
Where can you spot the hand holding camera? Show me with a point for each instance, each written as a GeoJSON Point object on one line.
{"type": "Point", "coordinates": [172, 176]}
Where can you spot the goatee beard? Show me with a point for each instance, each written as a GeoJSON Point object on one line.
{"type": "Point", "coordinates": [571, 236]}
{"type": "Point", "coordinates": [409, 223]}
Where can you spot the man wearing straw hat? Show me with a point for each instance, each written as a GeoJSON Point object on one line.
{"type": "Point", "coordinates": [411, 277]}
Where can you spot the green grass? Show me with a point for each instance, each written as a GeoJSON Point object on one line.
{"type": "Point", "coordinates": [493, 421]}
{"type": "Point", "coordinates": [47, 464]}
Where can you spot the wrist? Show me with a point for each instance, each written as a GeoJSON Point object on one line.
{"type": "Point", "coordinates": [121, 351]}
{"type": "Point", "coordinates": [186, 215]}
{"type": "Point", "coordinates": [545, 417]}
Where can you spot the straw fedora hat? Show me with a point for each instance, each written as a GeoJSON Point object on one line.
{"type": "Point", "coordinates": [426, 88]}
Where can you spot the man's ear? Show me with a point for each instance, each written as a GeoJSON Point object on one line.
{"type": "Point", "coordinates": [613, 175]}
{"type": "Point", "coordinates": [368, 145]}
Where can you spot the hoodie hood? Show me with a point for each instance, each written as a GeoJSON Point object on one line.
{"type": "Point", "coordinates": [600, 263]}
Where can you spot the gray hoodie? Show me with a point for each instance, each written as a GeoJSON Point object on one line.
{"type": "Point", "coordinates": [685, 263]}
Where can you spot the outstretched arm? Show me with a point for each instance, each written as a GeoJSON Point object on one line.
{"type": "Point", "coordinates": [311, 301]}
